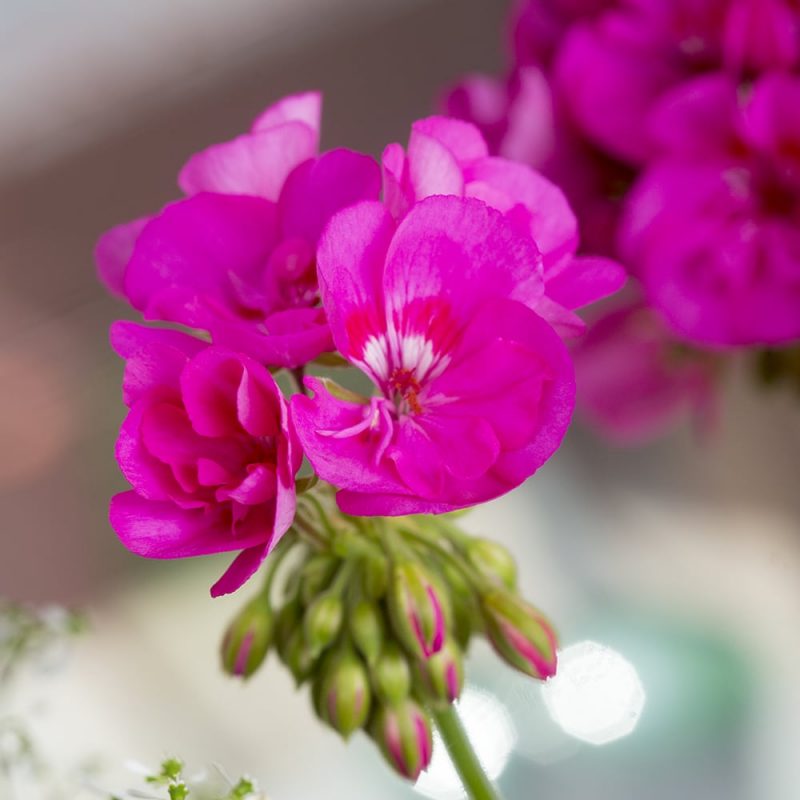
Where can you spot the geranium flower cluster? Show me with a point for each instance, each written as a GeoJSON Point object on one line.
{"type": "Point", "coordinates": [673, 128]}
{"type": "Point", "coordinates": [444, 274]}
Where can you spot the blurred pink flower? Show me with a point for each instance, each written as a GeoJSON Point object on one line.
{"type": "Point", "coordinates": [450, 157]}
{"type": "Point", "coordinates": [634, 382]}
{"type": "Point", "coordinates": [712, 227]}
{"type": "Point", "coordinates": [476, 390]}
{"type": "Point", "coordinates": [237, 257]}
{"type": "Point", "coordinates": [208, 448]}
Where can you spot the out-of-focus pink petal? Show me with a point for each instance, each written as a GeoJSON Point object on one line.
{"type": "Point", "coordinates": [432, 167]}
{"type": "Point", "coordinates": [252, 164]}
{"type": "Point", "coordinates": [610, 86]}
{"type": "Point", "coordinates": [761, 35]}
{"type": "Point", "coordinates": [113, 252]}
{"type": "Point", "coordinates": [585, 280]}
{"type": "Point", "coordinates": [305, 107]}
{"type": "Point", "coordinates": [462, 139]}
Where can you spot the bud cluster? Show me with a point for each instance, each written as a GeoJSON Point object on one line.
{"type": "Point", "coordinates": [376, 615]}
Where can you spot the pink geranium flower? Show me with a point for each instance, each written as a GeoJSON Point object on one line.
{"type": "Point", "coordinates": [713, 227]}
{"type": "Point", "coordinates": [450, 157]}
{"type": "Point", "coordinates": [475, 389]}
{"type": "Point", "coordinates": [208, 448]}
{"type": "Point", "coordinates": [237, 256]}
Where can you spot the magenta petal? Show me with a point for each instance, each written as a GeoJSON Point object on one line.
{"type": "Point", "coordinates": [113, 252]}
{"type": "Point", "coordinates": [318, 189]}
{"type": "Point", "coordinates": [209, 385]}
{"type": "Point", "coordinates": [350, 261]}
{"type": "Point", "coordinates": [243, 567]}
{"type": "Point", "coordinates": [463, 252]}
{"type": "Point", "coordinates": [552, 223]}
{"type": "Point", "coordinates": [195, 244]}
{"type": "Point", "coordinates": [162, 530]}
{"type": "Point", "coordinates": [461, 138]}
{"type": "Point", "coordinates": [341, 460]}
{"type": "Point", "coordinates": [388, 505]}
{"type": "Point", "coordinates": [252, 164]}
{"type": "Point", "coordinates": [305, 107]}
{"type": "Point", "coordinates": [128, 338]}
{"type": "Point", "coordinates": [585, 280]}
{"type": "Point", "coordinates": [432, 168]}
{"type": "Point", "coordinates": [258, 401]}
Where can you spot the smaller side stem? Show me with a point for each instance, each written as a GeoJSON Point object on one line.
{"type": "Point", "coordinates": [454, 736]}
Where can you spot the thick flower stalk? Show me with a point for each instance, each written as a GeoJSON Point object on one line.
{"type": "Point", "coordinates": [448, 278]}
{"type": "Point", "coordinates": [671, 126]}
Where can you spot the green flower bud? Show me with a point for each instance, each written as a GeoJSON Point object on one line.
{"type": "Point", "coordinates": [465, 609]}
{"type": "Point", "coordinates": [519, 633]}
{"type": "Point", "coordinates": [323, 621]}
{"type": "Point", "coordinates": [403, 734]}
{"type": "Point", "coordinates": [343, 697]}
{"type": "Point", "coordinates": [375, 577]}
{"type": "Point", "coordinates": [417, 607]}
{"type": "Point", "coordinates": [391, 675]}
{"type": "Point", "coordinates": [287, 622]}
{"type": "Point", "coordinates": [441, 677]}
{"type": "Point", "coordinates": [494, 561]}
{"type": "Point", "coordinates": [316, 575]}
{"type": "Point", "coordinates": [367, 629]}
{"type": "Point", "coordinates": [299, 657]}
{"type": "Point", "coordinates": [247, 640]}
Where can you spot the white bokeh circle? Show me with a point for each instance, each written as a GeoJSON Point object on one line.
{"type": "Point", "coordinates": [596, 694]}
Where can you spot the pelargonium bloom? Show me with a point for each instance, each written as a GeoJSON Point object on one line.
{"type": "Point", "coordinates": [450, 157]}
{"type": "Point", "coordinates": [475, 389]}
{"type": "Point", "coordinates": [236, 258]}
{"type": "Point", "coordinates": [208, 449]}
{"type": "Point", "coordinates": [713, 226]}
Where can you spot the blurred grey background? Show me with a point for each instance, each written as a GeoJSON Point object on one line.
{"type": "Point", "coordinates": [684, 555]}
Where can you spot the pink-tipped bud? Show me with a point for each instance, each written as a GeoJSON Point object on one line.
{"type": "Point", "coordinates": [344, 697]}
{"type": "Point", "coordinates": [520, 634]}
{"type": "Point", "coordinates": [441, 677]}
{"type": "Point", "coordinates": [247, 639]}
{"type": "Point", "coordinates": [403, 733]}
{"type": "Point", "coordinates": [417, 610]}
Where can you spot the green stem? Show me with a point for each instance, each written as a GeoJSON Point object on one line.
{"type": "Point", "coordinates": [454, 736]}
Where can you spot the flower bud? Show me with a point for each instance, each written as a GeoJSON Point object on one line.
{"type": "Point", "coordinates": [375, 577]}
{"type": "Point", "coordinates": [287, 622]}
{"type": "Point", "coordinates": [465, 610]}
{"type": "Point", "coordinates": [417, 609]}
{"type": "Point", "coordinates": [493, 561]}
{"type": "Point", "coordinates": [247, 640]}
{"type": "Point", "coordinates": [519, 633]}
{"type": "Point", "coordinates": [367, 629]}
{"type": "Point", "coordinates": [441, 677]}
{"type": "Point", "coordinates": [343, 697]}
{"type": "Point", "coordinates": [403, 733]}
{"type": "Point", "coordinates": [316, 575]}
{"type": "Point", "coordinates": [391, 675]}
{"type": "Point", "coordinates": [323, 621]}
{"type": "Point", "coordinates": [299, 657]}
